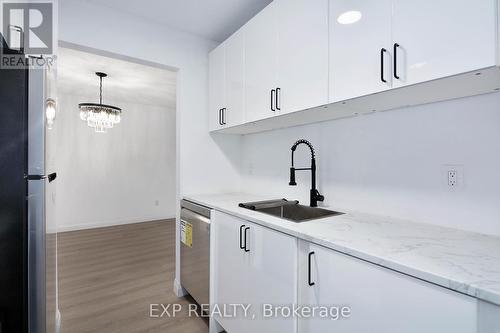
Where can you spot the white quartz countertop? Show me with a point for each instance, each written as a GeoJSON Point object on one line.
{"type": "Point", "coordinates": [463, 261]}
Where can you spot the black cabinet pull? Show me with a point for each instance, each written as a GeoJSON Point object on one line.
{"type": "Point", "coordinates": [273, 91]}
{"type": "Point", "coordinates": [396, 45]}
{"type": "Point", "coordinates": [241, 237]}
{"type": "Point", "coordinates": [309, 273]}
{"type": "Point", "coordinates": [51, 177]}
{"type": "Point", "coordinates": [220, 117]}
{"type": "Point", "coordinates": [382, 53]}
{"type": "Point", "coordinates": [278, 96]}
{"type": "Point", "coordinates": [245, 241]}
{"type": "Point", "coordinates": [224, 116]}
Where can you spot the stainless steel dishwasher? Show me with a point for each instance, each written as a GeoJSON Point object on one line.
{"type": "Point", "coordinates": [195, 250]}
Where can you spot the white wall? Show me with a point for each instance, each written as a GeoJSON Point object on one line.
{"type": "Point", "coordinates": [391, 163]}
{"type": "Point", "coordinates": [123, 176]}
{"type": "Point", "coordinates": [202, 159]}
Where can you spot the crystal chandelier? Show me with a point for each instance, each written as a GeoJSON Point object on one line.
{"type": "Point", "coordinates": [100, 116]}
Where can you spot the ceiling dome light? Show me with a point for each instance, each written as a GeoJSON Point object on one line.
{"type": "Point", "coordinates": [97, 115]}
{"type": "Point", "coordinates": [349, 17]}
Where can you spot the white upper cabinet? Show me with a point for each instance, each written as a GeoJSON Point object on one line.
{"type": "Point", "coordinates": [235, 80]}
{"type": "Point", "coordinates": [226, 83]}
{"type": "Point", "coordinates": [302, 54]}
{"type": "Point", "coordinates": [260, 65]}
{"type": "Point", "coordinates": [404, 42]}
{"type": "Point", "coordinates": [360, 40]}
{"type": "Point", "coordinates": [286, 58]}
{"type": "Point", "coordinates": [217, 88]}
{"type": "Point", "coordinates": [297, 55]}
{"type": "Point", "coordinates": [440, 38]}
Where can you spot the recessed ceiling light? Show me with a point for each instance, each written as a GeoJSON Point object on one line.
{"type": "Point", "coordinates": [349, 17]}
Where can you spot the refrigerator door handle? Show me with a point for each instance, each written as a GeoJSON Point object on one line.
{"type": "Point", "coordinates": [34, 177]}
{"type": "Point", "coordinates": [51, 177]}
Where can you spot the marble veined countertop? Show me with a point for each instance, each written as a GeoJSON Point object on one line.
{"type": "Point", "coordinates": [463, 261]}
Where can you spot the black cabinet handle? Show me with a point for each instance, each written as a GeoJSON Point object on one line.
{"type": "Point", "coordinates": [382, 53]}
{"type": "Point", "coordinates": [223, 110]}
{"type": "Point", "coordinates": [241, 237]}
{"type": "Point", "coordinates": [309, 273]}
{"type": "Point", "coordinates": [220, 116]}
{"type": "Point", "coordinates": [51, 177]}
{"type": "Point", "coordinates": [396, 45]}
{"type": "Point", "coordinates": [273, 91]}
{"type": "Point", "coordinates": [245, 234]}
{"type": "Point", "coordinates": [278, 96]}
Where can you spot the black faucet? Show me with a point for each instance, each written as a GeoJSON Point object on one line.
{"type": "Point", "coordinates": [314, 195]}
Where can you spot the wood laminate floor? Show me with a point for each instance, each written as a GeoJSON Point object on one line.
{"type": "Point", "coordinates": [108, 277]}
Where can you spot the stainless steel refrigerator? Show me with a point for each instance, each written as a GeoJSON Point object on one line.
{"type": "Point", "coordinates": [28, 242]}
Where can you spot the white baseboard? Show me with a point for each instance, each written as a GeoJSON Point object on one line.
{"type": "Point", "coordinates": [103, 224]}
{"type": "Point", "coordinates": [178, 290]}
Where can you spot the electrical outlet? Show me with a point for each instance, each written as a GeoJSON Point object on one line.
{"type": "Point", "coordinates": [452, 178]}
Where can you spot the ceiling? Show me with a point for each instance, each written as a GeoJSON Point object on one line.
{"type": "Point", "coordinates": [127, 82]}
{"type": "Point", "coordinates": [212, 19]}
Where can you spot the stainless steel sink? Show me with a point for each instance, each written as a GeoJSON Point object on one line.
{"type": "Point", "coordinates": [289, 210]}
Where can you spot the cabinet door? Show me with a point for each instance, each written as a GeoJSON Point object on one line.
{"type": "Point", "coordinates": [380, 300]}
{"type": "Point", "coordinates": [272, 278]}
{"type": "Point", "coordinates": [489, 318]}
{"type": "Point", "coordinates": [442, 37]}
{"type": "Point", "coordinates": [260, 64]}
{"type": "Point", "coordinates": [359, 30]}
{"type": "Point", "coordinates": [230, 267]}
{"type": "Point", "coordinates": [302, 54]}
{"type": "Point", "coordinates": [217, 78]}
{"type": "Point", "coordinates": [235, 75]}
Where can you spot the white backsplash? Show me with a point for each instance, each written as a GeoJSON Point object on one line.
{"type": "Point", "coordinates": [393, 163]}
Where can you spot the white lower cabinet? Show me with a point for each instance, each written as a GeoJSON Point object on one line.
{"type": "Point", "coordinates": [229, 266]}
{"type": "Point", "coordinates": [489, 318]}
{"type": "Point", "coordinates": [380, 300]}
{"type": "Point", "coordinates": [253, 265]}
{"type": "Point", "coordinates": [257, 266]}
